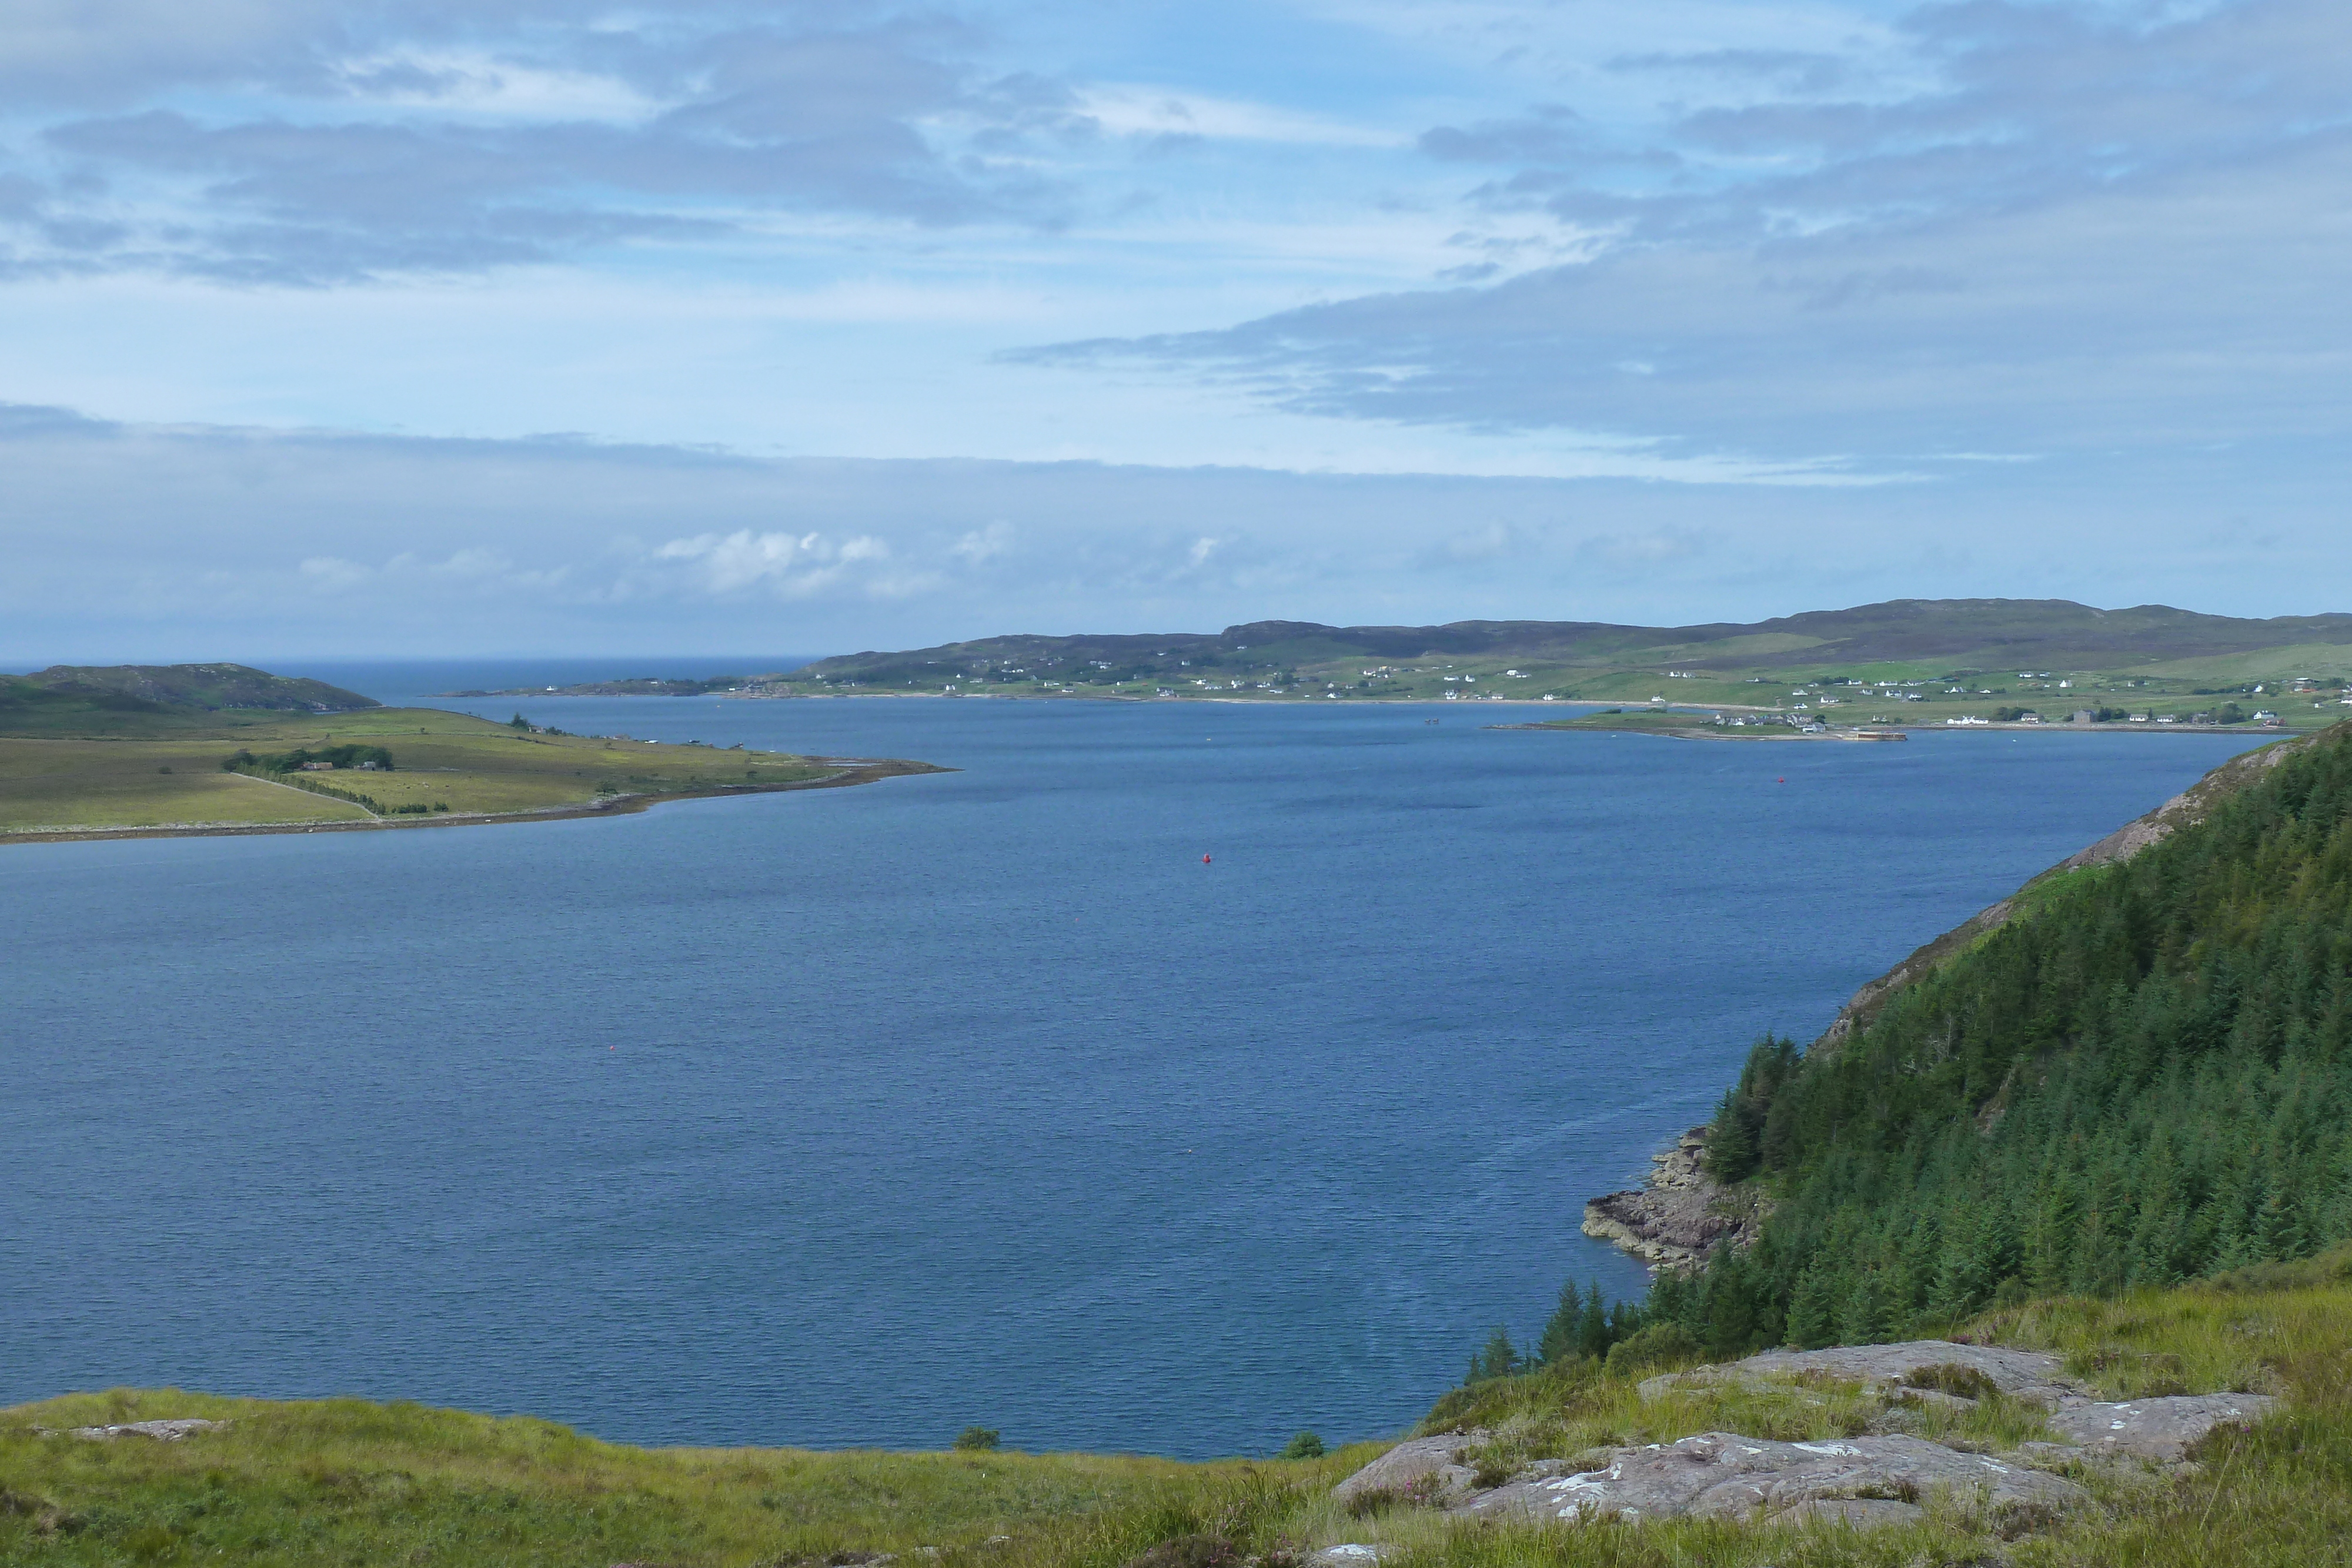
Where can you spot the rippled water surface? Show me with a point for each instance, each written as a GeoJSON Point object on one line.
{"type": "Point", "coordinates": [858, 1116]}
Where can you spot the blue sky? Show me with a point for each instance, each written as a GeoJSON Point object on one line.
{"type": "Point", "coordinates": [688, 326]}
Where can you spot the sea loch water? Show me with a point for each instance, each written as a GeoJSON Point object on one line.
{"type": "Point", "coordinates": [858, 1116]}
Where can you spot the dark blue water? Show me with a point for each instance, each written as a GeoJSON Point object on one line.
{"type": "Point", "coordinates": [861, 1115]}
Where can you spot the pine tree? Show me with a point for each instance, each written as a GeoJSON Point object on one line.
{"type": "Point", "coordinates": [1592, 1336]}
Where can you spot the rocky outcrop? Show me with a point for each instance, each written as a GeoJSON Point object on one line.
{"type": "Point", "coordinates": [1725, 1475]}
{"type": "Point", "coordinates": [1885, 1477]}
{"type": "Point", "coordinates": [2162, 1430]}
{"type": "Point", "coordinates": [1418, 1469]}
{"type": "Point", "coordinates": [1679, 1215]}
{"type": "Point", "coordinates": [1962, 1370]}
{"type": "Point", "coordinates": [162, 1431]}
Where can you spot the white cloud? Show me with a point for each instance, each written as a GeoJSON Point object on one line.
{"type": "Point", "coordinates": [476, 84]}
{"type": "Point", "coordinates": [1137, 111]}
{"type": "Point", "coordinates": [333, 573]}
{"type": "Point", "coordinates": [792, 565]}
{"type": "Point", "coordinates": [983, 544]}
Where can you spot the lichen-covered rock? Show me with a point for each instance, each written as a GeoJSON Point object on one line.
{"type": "Point", "coordinates": [2020, 1374]}
{"type": "Point", "coordinates": [1352, 1555]}
{"type": "Point", "coordinates": [162, 1431]}
{"type": "Point", "coordinates": [1723, 1475]}
{"type": "Point", "coordinates": [2159, 1430]}
{"type": "Point", "coordinates": [1425, 1470]}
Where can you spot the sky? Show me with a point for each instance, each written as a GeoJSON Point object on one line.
{"type": "Point", "coordinates": [687, 326]}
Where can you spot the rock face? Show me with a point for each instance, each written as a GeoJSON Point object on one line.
{"type": "Point", "coordinates": [1724, 1475]}
{"type": "Point", "coordinates": [1425, 1470]}
{"type": "Point", "coordinates": [1678, 1216]}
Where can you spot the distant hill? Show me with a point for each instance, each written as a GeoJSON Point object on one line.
{"type": "Point", "coordinates": [1973, 634]}
{"type": "Point", "coordinates": [205, 688]}
{"type": "Point", "coordinates": [156, 699]}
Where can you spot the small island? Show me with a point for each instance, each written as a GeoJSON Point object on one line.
{"type": "Point", "coordinates": [129, 751]}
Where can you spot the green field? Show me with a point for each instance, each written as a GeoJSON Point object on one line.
{"type": "Point", "coordinates": [347, 1482]}
{"type": "Point", "coordinates": [170, 779]}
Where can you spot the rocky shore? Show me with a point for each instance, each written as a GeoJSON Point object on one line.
{"type": "Point", "coordinates": [1679, 1215]}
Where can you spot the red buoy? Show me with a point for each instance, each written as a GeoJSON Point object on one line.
{"type": "Point", "coordinates": [1205, 859]}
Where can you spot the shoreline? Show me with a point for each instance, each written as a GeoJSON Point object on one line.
{"type": "Point", "coordinates": [1861, 733]}
{"type": "Point", "coordinates": [858, 770]}
{"type": "Point", "coordinates": [1630, 706]}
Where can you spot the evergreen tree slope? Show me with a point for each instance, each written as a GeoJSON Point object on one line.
{"type": "Point", "coordinates": [2140, 1073]}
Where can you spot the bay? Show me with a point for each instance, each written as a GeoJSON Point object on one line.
{"type": "Point", "coordinates": [1172, 1077]}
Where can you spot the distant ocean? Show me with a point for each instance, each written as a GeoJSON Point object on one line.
{"type": "Point", "coordinates": [1170, 1078]}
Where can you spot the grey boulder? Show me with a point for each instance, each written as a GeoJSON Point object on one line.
{"type": "Point", "coordinates": [1424, 1469]}
{"type": "Point", "coordinates": [1721, 1475]}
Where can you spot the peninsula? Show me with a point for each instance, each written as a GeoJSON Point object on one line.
{"type": "Point", "coordinates": [131, 751]}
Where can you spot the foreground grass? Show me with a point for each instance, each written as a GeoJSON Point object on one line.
{"type": "Point", "coordinates": [467, 764]}
{"type": "Point", "coordinates": [343, 1481]}
{"type": "Point", "coordinates": [346, 1482]}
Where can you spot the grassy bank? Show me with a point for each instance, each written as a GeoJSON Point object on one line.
{"type": "Point", "coordinates": [443, 764]}
{"type": "Point", "coordinates": [343, 1481]}
{"type": "Point", "coordinates": [346, 1482]}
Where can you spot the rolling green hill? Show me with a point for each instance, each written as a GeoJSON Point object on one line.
{"type": "Point", "coordinates": [207, 687]}
{"type": "Point", "coordinates": [1907, 659]}
{"type": "Point", "coordinates": [159, 699]}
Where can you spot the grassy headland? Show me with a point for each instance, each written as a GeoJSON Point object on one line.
{"type": "Point", "coordinates": [92, 761]}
